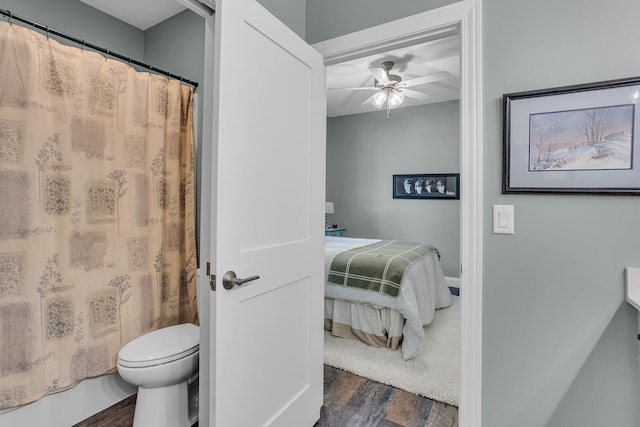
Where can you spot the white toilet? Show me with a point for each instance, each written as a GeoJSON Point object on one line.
{"type": "Point", "coordinates": [163, 364]}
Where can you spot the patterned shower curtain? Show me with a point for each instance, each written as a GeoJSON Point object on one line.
{"type": "Point", "coordinates": [97, 223]}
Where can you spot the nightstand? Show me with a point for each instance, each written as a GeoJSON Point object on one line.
{"type": "Point", "coordinates": [337, 232]}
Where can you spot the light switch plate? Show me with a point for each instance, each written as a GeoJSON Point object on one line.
{"type": "Point", "coordinates": [503, 219]}
{"type": "Point", "coordinates": [632, 287]}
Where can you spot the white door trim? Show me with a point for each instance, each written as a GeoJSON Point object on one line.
{"type": "Point", "coordinates": [465, 16]}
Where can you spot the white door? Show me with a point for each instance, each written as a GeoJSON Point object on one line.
{"type": "Point", "coordinates": [269, 107]}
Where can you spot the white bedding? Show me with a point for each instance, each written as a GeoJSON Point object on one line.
{"type": "Point", "coordinates": [423, 290]}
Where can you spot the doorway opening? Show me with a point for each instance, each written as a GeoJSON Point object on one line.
{"type": "Point", "coordinates": [465, 18]}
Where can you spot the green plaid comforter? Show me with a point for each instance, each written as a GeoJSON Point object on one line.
{"type": "Point", "coordinates": [378, 267]}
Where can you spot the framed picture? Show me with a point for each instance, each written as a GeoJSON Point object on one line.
{"type": "Point", "coordinates": [426, 186]}
{"type": "Point", "coordinates": [573, 139]}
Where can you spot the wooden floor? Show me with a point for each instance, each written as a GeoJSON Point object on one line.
{"type": "Point", "coordinates": [349, 401]}
{"type": "Point", "coordinates": [118, 415]}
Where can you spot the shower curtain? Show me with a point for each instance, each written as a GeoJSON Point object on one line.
{"type": "Point", "coordinates": [97, 222]}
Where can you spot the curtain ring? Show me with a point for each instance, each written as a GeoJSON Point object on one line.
{"type": "Point", "coordinates": [82, 45]}
{"type": "Point", "coordinates": [10, 17]}
{"type": "Point", "coordinates": [47, 30]}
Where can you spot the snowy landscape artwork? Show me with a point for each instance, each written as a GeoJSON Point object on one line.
{"type": "Point", "coordinates": [584, 139]}
{"type": "Point", "coordinates": [573, 139]}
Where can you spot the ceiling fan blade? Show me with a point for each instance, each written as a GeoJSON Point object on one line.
{"type": "Point", "coordinates": [352, 88]}
{"type": "Point", "coordinates": [369, 100]}
{"type": "Point", "coordinates": [425, 79]}
{"type": "Point", "coordinates": [380, 75]}
{"type": "Point", "coordinates": [415, 94]}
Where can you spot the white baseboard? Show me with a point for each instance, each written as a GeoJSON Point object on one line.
{"type": "Point", "coordinates": [454, 282]}
{"type": "Point", "coordinates": [71, 406]}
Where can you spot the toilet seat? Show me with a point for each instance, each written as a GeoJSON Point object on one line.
{"type": "Point", "coordinates": [161, 346]}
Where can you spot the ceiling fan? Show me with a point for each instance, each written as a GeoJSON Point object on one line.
{"type": "Point", "coordinates": [391, 90]}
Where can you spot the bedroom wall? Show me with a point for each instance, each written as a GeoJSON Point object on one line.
{"type": "Point", "coordinates": [363, 153]}
{"type": "Point", "coordinates": [559, 341]}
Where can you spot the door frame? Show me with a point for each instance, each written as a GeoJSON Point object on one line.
{"type": "Point", "coordinates": [465, 17]}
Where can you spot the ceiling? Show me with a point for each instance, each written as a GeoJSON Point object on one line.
{"type": "Point", "coordinates": [142, 14]}
{"type": "Point", "coordinates": [409, 62]}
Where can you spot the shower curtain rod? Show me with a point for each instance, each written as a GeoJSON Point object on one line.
{"type": "Point", "coordinates": [83, 43]}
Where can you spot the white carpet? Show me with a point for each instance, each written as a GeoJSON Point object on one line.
{"type": "Point", "coordinates": [435, 373]}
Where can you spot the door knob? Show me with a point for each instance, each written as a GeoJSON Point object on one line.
{"type": "Point", "coordinates": [229, 280]}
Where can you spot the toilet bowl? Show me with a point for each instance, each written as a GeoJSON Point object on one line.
{"type": "Point", "coordinates": [163, 364]}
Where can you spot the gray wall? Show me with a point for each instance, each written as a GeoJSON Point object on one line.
{"type": "Point", "coordinates": [291, 12]}
{"type": "Point", "coordinates": [83, 22]}
{"type": "Point", "coordinates": [559, 342]}
{"type": "Point", "coordinates": [363, 153]}
{"type": "Point", "coordinates": [557, 331]}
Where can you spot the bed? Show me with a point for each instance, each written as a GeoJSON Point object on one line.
{"type": "Point", "coordinates": [378, 318]}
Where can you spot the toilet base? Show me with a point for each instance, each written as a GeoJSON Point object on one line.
{"type": "Point", "coordinates": [163, 407]}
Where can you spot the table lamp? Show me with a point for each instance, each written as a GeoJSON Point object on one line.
{"type": "Point", "coordinates": [328, 209]}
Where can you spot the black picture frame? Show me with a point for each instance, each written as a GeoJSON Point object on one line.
{"type": "Point", "coordinates": [573, 139]}
{"type": "Point", "coordinates": [430, 188]}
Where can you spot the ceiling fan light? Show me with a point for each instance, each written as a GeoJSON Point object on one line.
{"type": "Point", "coordinates": [395, 99]}
{"type": "Point", "coordinates": [379, 99]}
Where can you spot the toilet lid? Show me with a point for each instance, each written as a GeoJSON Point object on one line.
{"type": "Point", "coordinates": [161, 346]}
